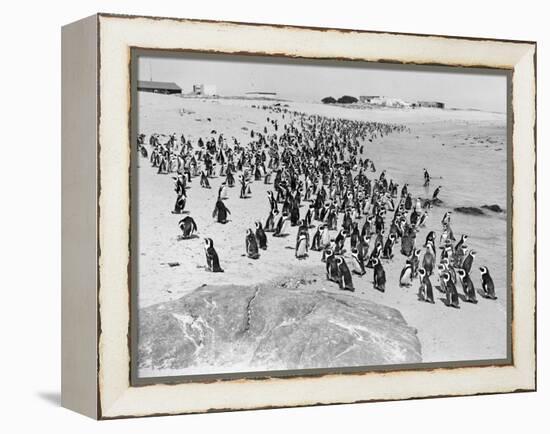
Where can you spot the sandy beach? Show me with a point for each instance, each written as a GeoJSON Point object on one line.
{"type": "Point", "coordinates": [464, 150]}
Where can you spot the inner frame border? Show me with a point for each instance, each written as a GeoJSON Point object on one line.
{"type": "Point", "coordinates": [136, 381]}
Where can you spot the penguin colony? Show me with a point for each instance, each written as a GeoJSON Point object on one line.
{"type": "Point", "coordinates": [319, 161]}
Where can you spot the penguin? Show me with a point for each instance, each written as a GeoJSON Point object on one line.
{"type": "Point", "coordinates": [325, 237]}
{"type": "Point", "coordinates": [212, 260]}
{"type": "Point", "coordinates": [309, 216]}
{"type": "Point", "coordinates": [445, 236]}
{"type": "Point", "coordinates": [408, 202]}
{"type": "Point", "coordinates": [426, 178]}
{"type": "Point", "coordinates": [358, 262]}
{"type": "Point", "coordinates": [449, 269]}
{"type": "Point", "coordinates": [425, 291]}
{"type": "Point", "coordinates": [422, 220]}
{"type": "Point", "coordinates": [354, 236]}
{"type": "Point", "coordinates": [467, 286]}
{"type": "Point", "coordinates": [407, 244]}
{"type": "Point", "coordinates": [179, 206]}
{"type": "Point", "coordinates": [405, 278]}
{"type": "Point", "coordinates": [460, 243]}
{"type": "Point", "coordinates": [440, 272]}
{"type": "Point", "coordinates": [280, 229]}
{"type": "Point", "coordinates": [222, 191]}
{"type": "Point", "coordinates": [460, 255]}
{"type": "Point", "coordinates": [270, 221]}
{"type": "Point", "coordinates": [430, 239]}
{"type": "Point", "coordinates": [331, 266]}
{"type": "Point", "coordinates": [436, 192]}
{"type": "Point", "coordinates": [261, 236]}
{"type": "Point", "coordinates": [447, 251]}
{"type": "Point", "coordinates": [388, 247]}
{"type": "Point", "coordinates": [446, 218]}
{"type": "Point", "coordinates": [451, 292]}
{"type": "Point", "coordinates": [220, 211]}
{"type": "Point", "coordinates": [316, 240]}
{"type": "Point", "coordinates": [301, 246]}
{"type": "Point", "coordinates": [187, 226]}
{"type": "Point", "coordinates": [344, 276]}
{"type": "Point", "coordinates": [251, 245]}
{"type": "Point", "coordinates": [204, 180]}
{"type": "Point", "coordinates": [379, 240]}
{"type": "Point", "coordinates": [468, 261]}
{"type": "Point", "coordinates": [414, 260]}
{"type": "Point", "coordinates": [414, 218]}
{"type": "Point", "coordinates": [363, 247]}
{"type": "Point", "coordinates": [366, 229]}
{"type": "Point", "coordinates": [428, 261]}
{"type": "Point", "coordinates": [374, 255]}
{"type": "Point", "coordinates": [379, 275]}
{"type": "Point", "coordinates": [487, 284]}
{"type": "Point", "coordinates": [339, 242]}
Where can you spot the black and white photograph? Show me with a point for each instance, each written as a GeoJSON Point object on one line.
{"type": "Point", "coordinates": [296, 215]}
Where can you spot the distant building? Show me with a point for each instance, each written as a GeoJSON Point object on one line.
{"type": "Point", "coordinates": [158, 87]}
{"type": "Point", "coordinates": [384, 101]}
{"type": "Point", "coordinates": [433, 104]}
{"type": "Point", "coordinates": [204, 90]}
{"type": "Point", "coordinates": [368, 98]}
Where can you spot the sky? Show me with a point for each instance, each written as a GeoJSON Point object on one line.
{"type": "Point", "coordinates": [306, 80]}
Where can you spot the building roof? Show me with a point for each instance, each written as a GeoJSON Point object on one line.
{"type": "Point", "coordinates": [158, 85]}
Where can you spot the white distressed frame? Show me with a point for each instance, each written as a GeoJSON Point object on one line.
{"type": "Point", "coordinates": [116, 398]}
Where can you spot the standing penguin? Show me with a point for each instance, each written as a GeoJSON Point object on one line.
{"type": "Point", "coordinates": [422, 220]}
{"type": "Point", "coordinates": [325, 237]}
{"type": "Point", "coordinates": [379, 275]}
{"type": "Point", "coordinates": [220, 211]}
{"type": "Point", "coordinates": [187, 226]}
{"type": "Point", "coordinates": [179, 206]}
{"type": "Point", "coordinates": [316, 240]}
{"type": "Point", "coordinates": [270, 221]}
{"type": "Point", "coordinates": [374, 255]}
{"type": "Point", "coordinates": [467, 285]}
{"type": "Point", "coordinates": [212, 260]}
{"type": "Point", "coordinates": [408, 243]}
{"type": "Point", "coordinates": [487, 284]}
{"type": "Point", "coordinates": [436, 192]}
{"type": "Point", "coordinates": [251, 245]}
{"type": "Point", "coordinates": [261, 236]}
{"type": "Point", "coordinates": [452, 293]}
{"type": "Point", "coordinates": [331, 266]}
{"type": "Point", "coordinates": [204, 180]}
{"type": "Point", "coordinates": [425, 291]}
{"type": "Point", "coordinates": [355, 237]}
{"type": "Point", "coordinates": [222, 191]}
{"type": "Point", "coordinates": [280, 228]}
{"type": "Point", "coordinates": [339, 242]}
{"type": "Point", "coordinates": [388, 247]}
{"type": "Point", "coordinates": [468, 261]}
{"type": "Point", "coordinates": [430, 239]}
{"type": "Point", "coordinates": [405, 278]}
{"type": "Point", "coordinates": [415, 262]}
{"type": "Point", "coordinates": [429, 260]}
{"type": "Point", "coordinates": [358, 262]}
{"type": "Point", "coordinates": [363, 247]}
{"type": "Point", "coordinates": [440, 272]}
{"type": "Point", "coordinates": [345, 282]}
{"type": "Point", "coordinates": [460, 243]}
{"type": "Point", "coordinates": [301, 246]}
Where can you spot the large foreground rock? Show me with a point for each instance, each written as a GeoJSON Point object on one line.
{"type": "Point", "coordinates": [252, 329]}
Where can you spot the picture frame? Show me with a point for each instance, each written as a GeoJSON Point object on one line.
{"type": "Point", "coordinates": [97, 276]}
